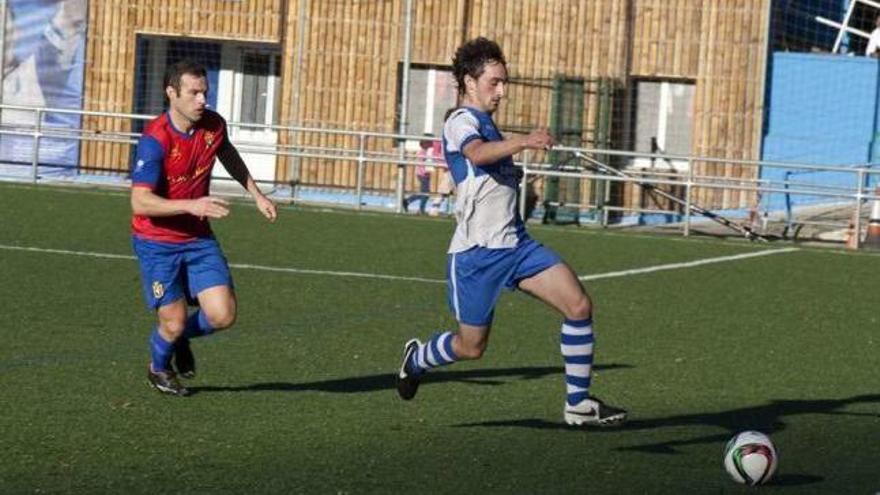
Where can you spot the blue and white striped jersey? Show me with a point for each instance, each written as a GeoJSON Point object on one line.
{"type": "Point", "coordinates": [485, 203]}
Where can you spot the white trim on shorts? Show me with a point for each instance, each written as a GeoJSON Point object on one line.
{"type": "Point", "coordinates": [454, 282]}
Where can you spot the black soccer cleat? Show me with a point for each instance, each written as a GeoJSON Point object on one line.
{"type": "Point", "coordinates": [184, 360]}
{"type": "Point", "coordinates": [593, 412]}
{"type": "Point", "coordinates": [408, 379]}
{"type": "Point", "coordinates": [166, 382]}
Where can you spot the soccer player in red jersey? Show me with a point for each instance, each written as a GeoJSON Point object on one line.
{"type": "Point", "coordinates": [180, 260]}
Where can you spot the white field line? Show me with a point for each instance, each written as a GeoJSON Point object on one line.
{"type": "Point", "coordinates": [687, 264]}
{"type": "Point", "coordinates": [379, 276]}
{"type": "Point", "coordinates": [243, 266]}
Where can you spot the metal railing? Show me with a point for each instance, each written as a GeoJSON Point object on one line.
{"type": "Point", "coordinates": [361, 153]}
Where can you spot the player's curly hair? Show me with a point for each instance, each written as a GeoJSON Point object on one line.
{"type": "Point", "coordinates": [175, 71]}
{"type": "Point", "coordinates": [471, 58]}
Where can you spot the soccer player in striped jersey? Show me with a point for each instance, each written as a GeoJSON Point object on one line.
{"type": "Point", "coordinates": [490, 249]}
{"type": "Point", "coordinates": [180, 260]}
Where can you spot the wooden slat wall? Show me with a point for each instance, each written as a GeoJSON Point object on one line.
{"type": "Point", "coordinates": [347, 81]}
{"type": "Point", "coordinates": [666, 38]}
{"type": "Point", "coordinates": [110, 56]}
{"type": "Point", "coordinates": [546, 38]}
{"type": "Point", "coordinates": [542, 39]}
{"type": "Point", "coordinates": [352, 48]}
{"type": "Point", "coordinates": [720, 44]}
{"type": "Point", "coordinates": [728, 104]}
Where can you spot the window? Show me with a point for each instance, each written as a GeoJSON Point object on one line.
{"type": "Point", "coordinates": [662, 120]}
{"type": "Point", "coordinates": [259, 87]}
{"type": "Point", "coordinates": [431, 92]}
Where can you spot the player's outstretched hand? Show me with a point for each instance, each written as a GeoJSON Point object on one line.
{"type": "Point", "coordinates": [266, 207]}
{"type": "Point", "coordinates": [210, 207]}
{"type": "Point", "coordinates": [539, 139]}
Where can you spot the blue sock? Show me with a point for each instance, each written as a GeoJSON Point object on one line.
{"type": "Point", "coordinates": [437, 351]}
{"type": "Point", "coordinates": [160, 351]}
{"type": "Point", "coordinates": [577, 352]}
{"type": "Point", "coordinates": [197, 326]}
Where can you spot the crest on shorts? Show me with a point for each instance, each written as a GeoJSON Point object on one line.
{"type": "Point", "coordinates": [158, 290]}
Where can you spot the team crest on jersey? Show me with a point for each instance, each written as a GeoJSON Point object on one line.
{"type": "Point", "coordinates": [174, 154]}
{"type": "Point", "coordinates": [158, 290]}
{"type": "Point", "coordinates": [209, 138]}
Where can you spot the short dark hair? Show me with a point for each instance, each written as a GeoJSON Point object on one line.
{"type": "Point", "coordinates": [471, 58]}
{"type": "Point", "coordinates": [175, 71]}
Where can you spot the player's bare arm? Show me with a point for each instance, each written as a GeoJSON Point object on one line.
{"type": "Point", "coordinates": [145, 202]}
{"type": "Point", "coordinates": [233, 163]}
{"type": "Point", "coordinates": [485, 153]}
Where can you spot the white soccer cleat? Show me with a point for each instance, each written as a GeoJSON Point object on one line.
{"type": "Point", "coordinates": [593, 412]}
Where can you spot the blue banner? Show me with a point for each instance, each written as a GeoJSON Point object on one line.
{"type": "Point", "coordinates": [43, 66]}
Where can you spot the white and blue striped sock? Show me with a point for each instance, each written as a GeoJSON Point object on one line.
{"type": "Point", "coordinates": [577, 352]}
{"type": "Point", "coordinates": [437, 351]}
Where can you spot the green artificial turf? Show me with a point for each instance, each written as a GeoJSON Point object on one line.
{"type": "Point", "coordinates": [299, 396]}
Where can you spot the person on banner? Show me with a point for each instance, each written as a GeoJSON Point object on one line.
{"type": "Point", "coordinates": [39, 60]}
{"type": "Point", "coordinates": [42, 67]}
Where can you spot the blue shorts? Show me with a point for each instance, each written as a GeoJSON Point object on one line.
{"type": "Point", "coordinates": [171, 270]}
{"type": "Point", "coordinates": [474, 278]}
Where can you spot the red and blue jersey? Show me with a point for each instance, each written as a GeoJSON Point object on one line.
{"type": "Point", "coordinates": [176, 165]}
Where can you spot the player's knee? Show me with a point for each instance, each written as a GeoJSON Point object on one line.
{"type": "Point", "coordinates": [221, 319]}
{"type": "Point", "coordinates": [172, 328]}
{"type": "Point", "coordinates": [581, 308]}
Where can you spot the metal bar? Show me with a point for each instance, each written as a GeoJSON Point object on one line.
{"type": "Point", "coordinates": [580, 205]}
{"type": "Point", "coordinates": [297, 82]}
{"type": "Point", "coordinates": [789, 221]}
{"type": "Point", "coordinates": [742, 229]}
{"type": "Point", "coordinates": [35, 158]}
{"type": "Point", "coordinates": [822, 224]}
{"type": "Point", "coordinates": [404, 101]}
{"type": "Point", "coordinates": [835, 24]}
{"type": "Point", "coordinates": [3, 14]}
{"type": "Point", "coordinates": [839, 38]}
{"type": "Point", "coordinates": [857, 227]}
{"type": "Point", "coordinates": [801, 167]}
{"type": "Point", "coordinates": [642, 210]}
{"type": "Point", "coordinates": [607, 185]}
{"type": "Point", "coordinates": [707, 159]}
{"type": "Point", "coordinates": [688, 188]}
{"type": "Point", "coordinates": [523, 188]}
{"type": "Point", "coordinates": [360, 173]}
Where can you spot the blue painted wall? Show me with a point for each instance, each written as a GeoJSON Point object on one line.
{"type": "Point", "coordinates": [822, 110]}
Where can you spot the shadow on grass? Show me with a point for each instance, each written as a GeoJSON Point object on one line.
{"type": "Point", "coordinates": [767, 418]}
{"type": "Point", "coordinates": [794, 479]}
{"type": "Point", "coordinates": [373, 383]}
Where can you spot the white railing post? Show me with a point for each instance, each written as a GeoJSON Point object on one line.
{"type": "Point", "coordinates": [524, 188]}
{"type": "Point", "coordinates": [35, 157]}
{"type": "Point", "coordinates": [605, 200]}
{"type": "Point", "coordinates": [687, 197]}
{"type": "Point", "coordinates": [360, 170]}
{"type": "Point", "coordinates": [355, 153]}
{"type": "Point", "coordinates": [857, 221]}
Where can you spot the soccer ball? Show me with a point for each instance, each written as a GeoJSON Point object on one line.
{"type": "Point", "coordinates": [750, 458]}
